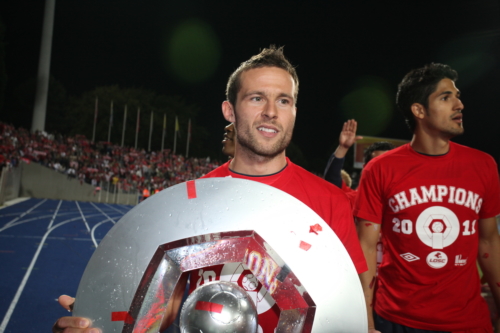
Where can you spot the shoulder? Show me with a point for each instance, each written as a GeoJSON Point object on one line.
{"type": "Point", "coordinates": [396, 154]}
{"type": "Point", "coordinates": [313, 183]}
{"type": "Point", "coordinates": [222, 171]}
{"type": "Point", "coordinates": [469, 152]}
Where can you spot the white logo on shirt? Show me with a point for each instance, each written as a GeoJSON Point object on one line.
{"type": "Point", "coordinates": [409, 257]}
{"type": "Point", "coordinates": [437, 227]}
{"type": "Point", "coordinates": [459, 261]}
{"type": "Point", "coordinates": [437, 259]}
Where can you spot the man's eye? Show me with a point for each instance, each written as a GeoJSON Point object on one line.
{"type": "Point", "coordinates": [284, 101]}
{"type": "Point", "coordinates": [257, 99]}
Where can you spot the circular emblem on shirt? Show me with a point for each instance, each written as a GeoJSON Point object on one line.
{"type": "Point", "coordinates": [437, 259]}
{"type": "Point", "coordinates": [437, 227]}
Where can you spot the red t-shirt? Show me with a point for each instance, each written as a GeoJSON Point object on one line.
{"type": "Point", "coordinates": [429, 208]}
{"type": "Point", "coordinates": [325, 199]}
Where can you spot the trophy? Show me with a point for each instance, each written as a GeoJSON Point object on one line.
{"type": "Point", "coordinates": [284, 253]}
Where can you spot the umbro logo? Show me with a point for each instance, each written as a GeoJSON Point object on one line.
{"type": "Point", "coordinates": [409, 257]}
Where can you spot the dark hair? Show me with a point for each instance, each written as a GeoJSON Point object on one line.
{"type": "Point", "coordinates": [271, 57]}
{"type": "Point", "coordinates": [418, 85]}
{"type": "Point", "coordinates": [381, 145]}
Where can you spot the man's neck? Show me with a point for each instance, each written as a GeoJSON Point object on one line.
{"type": "Point", "coordinates": [257, 165]}
{"type": "Point", "coordinates": [430, 145]}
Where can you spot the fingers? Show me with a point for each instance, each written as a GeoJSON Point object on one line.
{"type": "Point", "coordinates": [73, 325]}
{"type": "Point", "coordinates": [352, 125]}
{"type": "Point", "coordinates": [66, 302]}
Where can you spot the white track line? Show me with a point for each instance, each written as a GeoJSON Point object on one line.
{"type": "Point", "coordinates": [13, 304]}
{"type": "Point", "coordinates": [83, 216]}
{"type": "Point", "coordinates": [23, 214]}
{"type": "Point", "coordinates": [111, 206]}
{"type": "Point", "coordinates": [103, 213]}
{"type": "Point", "coordinates": [33, 219]}
{"type": "Point", "coordinates": [55, 214]}
{"type": "Point", "coordinates": [93, 230]}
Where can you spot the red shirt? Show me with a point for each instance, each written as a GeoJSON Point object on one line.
{"type": "Point", "coordinates": [328, 201]}
{"type": "Point", "coordinates": [429, 208]}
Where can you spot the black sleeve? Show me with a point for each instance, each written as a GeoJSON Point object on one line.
{"type": "Point", "coordinates": [332, 171]}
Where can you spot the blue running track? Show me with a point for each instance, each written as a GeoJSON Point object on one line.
{"type": "Point", "coordinates": [44, 248]}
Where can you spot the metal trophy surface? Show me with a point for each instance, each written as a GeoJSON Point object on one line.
{"type": "Point", "coordinates": [287, 247]}
{"type": "Point", "coordinates": [219, 306]}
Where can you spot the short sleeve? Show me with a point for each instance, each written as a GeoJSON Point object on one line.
{"type": "Point", "coordinates": [369, 202]}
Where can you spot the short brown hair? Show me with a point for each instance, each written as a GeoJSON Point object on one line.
{"type": "Point", "coordinates": [268, 57]}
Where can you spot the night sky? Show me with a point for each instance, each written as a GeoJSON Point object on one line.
{"type": "Point", "coordinates": [350, 56]}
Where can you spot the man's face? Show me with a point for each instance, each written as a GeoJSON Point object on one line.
{"type": "Point", "coordinates": [228, 141]}
{"type": "Point", "coordinates": [264, 114]}
{"type": "Point", "coordinates": [443, 116]}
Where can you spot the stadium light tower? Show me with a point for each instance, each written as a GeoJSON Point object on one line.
{"type": "Point", "coordinates": [42, 86]}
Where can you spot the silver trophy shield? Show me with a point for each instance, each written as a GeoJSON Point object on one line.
{"type": "Point", "coordinates": [287, 248]}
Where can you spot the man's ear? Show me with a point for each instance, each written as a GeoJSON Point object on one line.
{"type": "Point", "coordinates": [228, 111]}
{"type": "Point", "coordinates": [418, 110]}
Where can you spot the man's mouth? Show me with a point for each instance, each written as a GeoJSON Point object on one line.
{"type": "Point", "coordinates": [458, 118]}
{"type": "Point", "coordinates": [268, 130]}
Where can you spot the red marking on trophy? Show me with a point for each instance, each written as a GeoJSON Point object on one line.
{"type": "Point", "coordinates": [208, 306]}
{"type": "Point", "coordinates": [372, 283]}
{"type": "Point", "coordinates": [305, 246]}
{"type": "Point", "coordinates": [122, 316]}
{"type": "Point", "coordinates": [486, 255]}
{"type": "Point", "coordinates": [315, 228]}
{"type": "Point", "coordinates": [191, 189]}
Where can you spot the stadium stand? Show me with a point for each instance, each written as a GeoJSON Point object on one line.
{"type": "Point", "coordinates": [103, 165]}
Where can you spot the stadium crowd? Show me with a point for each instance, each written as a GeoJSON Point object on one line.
{"type": "Point", "coordinates": [100, 163]}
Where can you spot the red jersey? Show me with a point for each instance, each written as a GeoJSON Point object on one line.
{"type": "Point", "coordinates": [328, 201]}
{"type": "Point", "coordinates": [429, 208]}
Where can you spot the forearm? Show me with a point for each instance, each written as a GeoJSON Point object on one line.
{"type": "Point", "coordinates": [368, 233]}
{"type": "Point", "coordinates": [489, 260]}
{"type": "Point", "coordinates": [368, 280]}
{"type": "Point", "coordinates": [333, 169]}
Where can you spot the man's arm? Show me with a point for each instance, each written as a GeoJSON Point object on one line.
{"type": "Point", "coordinates": [368, 233]}
{"type": "Point", "coordinates": [489, 258]}
{"type": "Point", "coordinates": [347, 138]}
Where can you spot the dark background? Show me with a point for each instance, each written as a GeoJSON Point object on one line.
{"type": "Point", "coordinates": [349, 55]}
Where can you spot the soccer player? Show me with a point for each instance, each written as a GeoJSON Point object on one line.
{"type": "Point", "coordinates": [435, 202]}
{"type": "Point", "coordinates": [261, 102]}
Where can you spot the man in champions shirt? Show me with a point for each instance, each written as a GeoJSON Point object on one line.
{"type": "Point", "coordinates": [435, 203]}
{"type": "Point", "coordinates": [261, 102]}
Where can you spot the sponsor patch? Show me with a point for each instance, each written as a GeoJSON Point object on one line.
{"type": "Point", "coordinates": [459, 261]}
{"type": "Point", "coordinates": [437, 259]}
{"type": "Point", "coordinates": [409, 257]}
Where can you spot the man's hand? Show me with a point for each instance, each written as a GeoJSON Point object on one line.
{"type": "Point", "coordinates": [347, 138]}
{"type": "Point", "coordinates": [72, 324]}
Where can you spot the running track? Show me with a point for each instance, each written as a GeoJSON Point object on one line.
{"type": "Point", "coordinates": [44, 248]}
